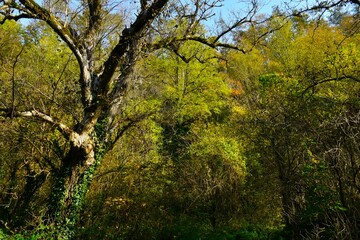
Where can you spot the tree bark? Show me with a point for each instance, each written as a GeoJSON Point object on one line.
{"type": "Point", "coordinates": [72, 182]}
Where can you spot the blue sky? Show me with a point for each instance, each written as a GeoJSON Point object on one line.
{"type": "Point", "coordinates": [233, 5]}
{"type": "Point", "coordinates": [231, 9]}
{"type": "Point", "coordinates": [266, 6]}
{"type": "Point", "coordinates": [235, 9]}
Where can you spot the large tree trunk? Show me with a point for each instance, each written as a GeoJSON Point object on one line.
{"type": "Point", "coordinates": [71, 185]}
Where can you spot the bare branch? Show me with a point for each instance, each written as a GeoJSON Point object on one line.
{"type": "Point", "coordinates": [173, 38]}
{"type": "Point", "coordinates": [319, 6]}
{"type": "Point", "coordinates": [331, 80]}
{"type": "Point", "coordinates": [95, 21]}
{"type": "Point", "coordinates": [182, 57]}
{"type": "Point", "coordinates": [247, 19]}
{"type": "Point", "coordinates": [355, 2]}
{"type": "Point", "coordinates": [169, 43]}
{"type": "Point", "coordinates": [15, 17]}
{"type": "Point", "coordinates": [65, 130]}
{"type": "Point", "coordinates": [211, 43]}
{"type": "Point", "coordinates": [130, 123]}
{"type": "Point", "coordinates": [64, 32]}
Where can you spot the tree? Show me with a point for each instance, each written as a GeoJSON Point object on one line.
{"type": "Point", "coordinates": [33, 81]}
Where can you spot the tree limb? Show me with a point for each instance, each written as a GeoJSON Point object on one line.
{"type": "Point", "coordinates": [133, 33]}
{"type": "Point", "coordinates": [95, 21]}
{"type": "Point", "coordinates": [211, 43]}
{"type": "Point", "coordinates": [15, 17]}
{"type": "Point", "coordinates": [355, 2]}
{"type": "Point", "coordinates": [64, 32]}
{"type": "Point", "coordinates": [331, 80]}
{"type": "Point", "coordinates": [65, 130]}
{"type": "Point", "coordinates": [130, 123]}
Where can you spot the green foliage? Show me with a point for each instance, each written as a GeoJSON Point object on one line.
{"type": "Point", "coordinates": [3, 235]}
{"type": "Point", "coordinates": [264, 145]}
{"type": "Point", "coordinates": [40, 232]}
{"type": "Point", "coordinates": [269, 80]}
{"type": "Point", "coordinates": [290, 105]}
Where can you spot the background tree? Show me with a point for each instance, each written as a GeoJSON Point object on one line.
{"type": "Point", "coordinates": [296, 97]}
